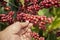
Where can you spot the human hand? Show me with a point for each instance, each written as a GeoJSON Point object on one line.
{"type": "Point", "coordinates": [16, 31]}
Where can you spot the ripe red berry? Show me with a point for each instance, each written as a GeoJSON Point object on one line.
{"type": "Point", "coordinates": [41, 38]}
{"type": "Point", "coordinates": [7, 8]}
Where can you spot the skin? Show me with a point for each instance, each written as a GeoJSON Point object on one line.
{"type": "Point", "coordinates": [17, 31]}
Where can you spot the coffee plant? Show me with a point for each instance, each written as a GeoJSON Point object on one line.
{"type": "Point", "coordinates": [43, 14]}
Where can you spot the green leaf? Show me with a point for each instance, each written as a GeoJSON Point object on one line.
{"type": "Point", "coordinates": [41, 32]}
{"type": "Point", "coordinates": [55, 24]}
{"type": "Point", "coordinates": [58, 38]}
{"type": "Point", "coordinates": [1, 10]}
{"type": "Point", "coordinates": [58, 12]}
{"type": "Point", "coordinates": [41, 12]}
{"type": "Point", "coordinates": [14, 5]}
{"type": "Point", "coordinates": [22, 1]}
{"type": "Point", "coordinates": [3, 25]}
{"type": "Point", "coordinates": [32, 39]}
{"type": "Point", "coordinates": [44, 12]}
{"type": "Point", "coordinates": [51, 36]}
{"type": "Point", "coordinates": [54, 11]}
{"type": "Point", "coordinates": [35, 29]}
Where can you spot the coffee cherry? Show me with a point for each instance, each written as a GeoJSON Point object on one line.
{"type": "Point", "coordinates": [7, 8]}
{"type": "Point", "coordinates": [41, 38]}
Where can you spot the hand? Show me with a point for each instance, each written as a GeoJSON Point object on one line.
{"type": "Point", "coordinates": [16, 31]}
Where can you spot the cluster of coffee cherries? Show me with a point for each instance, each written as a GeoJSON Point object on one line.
{"type": "Point", "coordinates": [36, 36]}
{"type": "Point", "coordinates": [33, 6]}
{"type": "Point", "coordinates": [7, 17]}
{"type": "Point", "coordinates": [40, 21]}
{"type": "Point", "coordinates": [49, 3]}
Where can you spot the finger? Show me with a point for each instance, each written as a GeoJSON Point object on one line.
{"type": "Point", "coordinates": [28, 36]}
{"type": "Point", "coordinates": [24, 24]}
{"type": "Point", "coordinates": [24, 30]}
{"type": "Point", "coordinates": [14, 28]}
{"type": "Point", "coordinates": [23, 37]}
{"type": "Point", "coordinates": [28, 30]}
{"type": "Point", "coordinates": [30, 25]}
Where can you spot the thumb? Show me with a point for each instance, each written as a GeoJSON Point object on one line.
{"type": "Point", "coordinates": [14, 28]}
